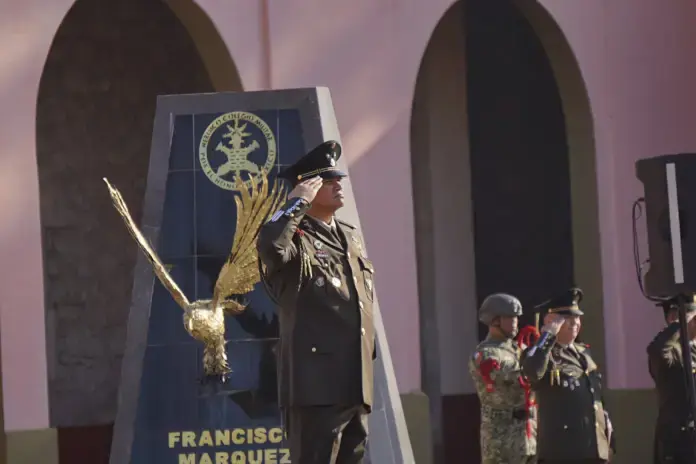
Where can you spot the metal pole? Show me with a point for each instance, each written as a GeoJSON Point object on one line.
{"type": "Point", "coordinates": [689, 374]}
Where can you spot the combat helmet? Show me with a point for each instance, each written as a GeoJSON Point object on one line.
{"type": "Point", "coordinates": [499, 305]}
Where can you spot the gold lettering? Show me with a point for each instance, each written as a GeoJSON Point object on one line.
{"type": "Point", "coordinates": [259, 435]}
{"type": "Point", "coordinates": [187, 458]}
{"type": "Point", "coordinates": [238, 436]}
{"type": "Point", "coordinates": [174, 438]}
{"type": "Point", "coordinates": [231, 437]}
{"type": "Point", "coordinates": [275, 435]}
{"type": "Point", "coordinates": [206, 439]}
{"type": "Point", "coordinates": [270, 456]}
{"type": "Point", "coordinates": [222, 438]}
{"type": "Point", "coordinates": [284, 456]}
{"type": "Point", "coordinates": [188, 439]}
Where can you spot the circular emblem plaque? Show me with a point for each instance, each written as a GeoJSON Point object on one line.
{"type": "Point", "coordinates": [236, 143]}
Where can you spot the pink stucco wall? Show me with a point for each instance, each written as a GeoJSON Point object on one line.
{"type": "Point", "coordinates": [636, 57]}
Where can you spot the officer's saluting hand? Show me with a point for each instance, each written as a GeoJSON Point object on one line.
{"type": "Point", "coordinates": [307, 189]}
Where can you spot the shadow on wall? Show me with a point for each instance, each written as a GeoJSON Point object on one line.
{"type": "Point", "coordinates": [108, 63]}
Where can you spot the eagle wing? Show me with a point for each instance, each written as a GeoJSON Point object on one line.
{"type": "Point", "coordinates": [158, 267]}
{"type": "Point", "coordinates": [240, 272]}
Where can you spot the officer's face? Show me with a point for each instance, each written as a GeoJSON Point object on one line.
{"type": "Point", "coordinates": [508, 324]}
{"type": "Point", "coordinates": [330, 195]}
{"type": "Point", "coordinates": [570, 329]}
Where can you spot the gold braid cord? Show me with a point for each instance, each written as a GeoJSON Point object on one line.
{"type": "Point", "coordinates": [305, 266]}
{"type": "Point", "coordinates": [204, 320]}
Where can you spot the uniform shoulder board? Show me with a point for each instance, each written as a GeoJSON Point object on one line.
{"type": "Point", "coordinates": [344, 223]}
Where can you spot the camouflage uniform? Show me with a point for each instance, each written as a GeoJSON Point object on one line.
{"type": "Point", "coordinates": [508, 425]}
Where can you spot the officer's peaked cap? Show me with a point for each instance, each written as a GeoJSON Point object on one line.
{"type": "Point", "coordinates": [565, 304]}
{"type": "Point", "coordinates": [673, 303]}
{"type": "Point", "coordinates": [321, 161]}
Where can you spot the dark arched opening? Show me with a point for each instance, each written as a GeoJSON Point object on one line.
{"type": "Point", "coordinates": [107, 64]}
{"type": "Point", "coordinates": [504, 190]}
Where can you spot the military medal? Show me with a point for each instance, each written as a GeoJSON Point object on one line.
{"type": "Point", "coordinates": [318, 245]}
{"type": "Point", "coordinates": [565, 384]}
{"type": "Point", "coordinates": [321, 254]}
{"type": "Point", "coordinates": [336, 282]}
{"type": "Point", "coordinates": [319, 282]}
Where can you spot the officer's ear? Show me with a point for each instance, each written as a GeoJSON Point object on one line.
{"type": "Point", "coordinates": [496, 322]}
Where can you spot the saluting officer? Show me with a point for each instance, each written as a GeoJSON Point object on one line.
{"type": "Point", "coordinates": [508, 420]}
{"type": "Point", "coordinates": [316, 269]}
{"type": "Point", "coordinates": [573, 425]}
{"type": "Point", "coordinates": [674, 437]}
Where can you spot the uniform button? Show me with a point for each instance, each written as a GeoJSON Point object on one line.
{"type": "Point", "coordinates": [595, 407]}
{"type": "Point", "coordinates": [348, 255]}
{"type": "Point", "coordinates": [355, 279]}
{"type": "Point", "coordinates": [292, 215]}
{"type": "Point", "coordinates": [314, 349]}
{"type": "Point", "coordinates": [361, 305]}
{"type": "Point", "coordinates": [362, 330]}
{"type": "Point", "coordinates": [596, 424]}
{"type": "Point", "coordinates": [565, 427]}
{"type": "Point", "coordinates": [591, 390]}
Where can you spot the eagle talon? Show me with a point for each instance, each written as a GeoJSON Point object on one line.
{"type": "Point", "coordinates": [211, 379]}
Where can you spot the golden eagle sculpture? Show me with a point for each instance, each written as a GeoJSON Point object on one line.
{"type": "Point", "coordinates": [204, 320]}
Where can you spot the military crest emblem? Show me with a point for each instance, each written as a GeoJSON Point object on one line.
{"type": "Point", "coordinates": [236, 143]}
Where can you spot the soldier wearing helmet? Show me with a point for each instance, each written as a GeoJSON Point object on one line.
{"type": "Point", "coordinates": [508, 417]}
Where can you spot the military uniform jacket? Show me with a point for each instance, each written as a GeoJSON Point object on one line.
{"type": "Point", "coordinates": [572, 423]}
{"type": "Point", "coordinates": [323, 283]}
{"type": "Point", "coordinates": [506, 435]}
{"type": "Point", "coordinates": [666, 366]}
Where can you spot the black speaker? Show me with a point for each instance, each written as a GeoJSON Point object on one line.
{"type": "Point", "coordinates": [669, 182]}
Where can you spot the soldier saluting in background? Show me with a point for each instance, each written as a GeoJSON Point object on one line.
{"type": "Point", "coordinates": [508, 418]}
{"type": "Point", "coordinates": [674, 436]}
{"type": "Point", "coordinates": [573, 426]}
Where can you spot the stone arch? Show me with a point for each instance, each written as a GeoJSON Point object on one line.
{"type": "Point", "coordinates": [107, 64]}
{"type": "Point", "coordinates": [212, 49]}
{"type": "Point", "coordinates": [444, 211]}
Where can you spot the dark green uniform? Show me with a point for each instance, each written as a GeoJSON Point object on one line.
{"type": "Point", "coordinates": [572, 426]}
{"type": "Point", "coordinates": [673, 441]}
{"type": "Point", "coordinates": [323, 282]}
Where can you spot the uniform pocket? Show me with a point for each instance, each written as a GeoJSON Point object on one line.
{"type": "Point", "coordinates": [368, 272]}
